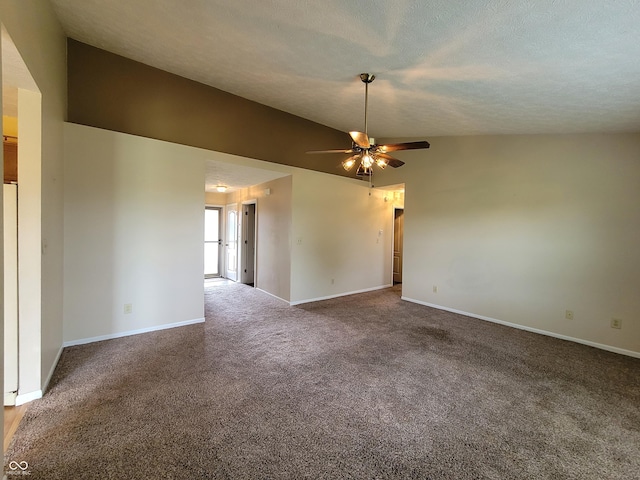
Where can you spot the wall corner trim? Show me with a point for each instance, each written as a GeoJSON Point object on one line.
{"type": "Point", "coordinates": [83, 341]}
{"type": "Point", "coordinates": [45, 385]}
{"type": "Point", "coordinates": [601, 346]}
{"type": "Point", "coordinates": [328, 297]}
{"type": "Point", "coordinates": [23, 398]}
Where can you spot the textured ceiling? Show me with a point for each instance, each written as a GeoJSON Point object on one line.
{"type": "Point", "coordinates": [444, 67]}
{"type": "Point", "coordinates": [235, 176]}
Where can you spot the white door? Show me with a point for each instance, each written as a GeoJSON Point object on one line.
{"type": "Point", "coordinates": [232, 242]}
{"type": "Point", "coordinates": [10, 195]}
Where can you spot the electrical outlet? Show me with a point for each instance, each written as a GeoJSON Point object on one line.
{"type": "Point", "coordinates": [435, 289]}
{"type": "Point", "coordinates": [568, 315]}
{"type": "Point", "coordinates": [299, 240]}
{"type": "Point", "coordinates": [333, 280]}
{"type": "Point", "coordinates": [616, 323]}
{"type": "Point", "coordinates": [128, 308]}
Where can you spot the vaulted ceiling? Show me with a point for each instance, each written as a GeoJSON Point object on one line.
{"type": "Point", "coordinates": [443, 67]}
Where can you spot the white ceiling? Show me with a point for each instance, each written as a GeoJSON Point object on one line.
{"type": "Point", "coordinates": [234, 176]}
{"type": "Point", "coordinates": [444, 67]}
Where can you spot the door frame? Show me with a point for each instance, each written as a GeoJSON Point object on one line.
{"type": "Point", "coordinates": [393, 236]}
{"type": "Point", "coordinates": [242, 235]}
{"type": "Point", "coordinates": [231, 206]}
{"type": "Point", "coordinates": [221, 235]}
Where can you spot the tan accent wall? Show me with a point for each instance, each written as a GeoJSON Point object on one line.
{"type": "Point", "coordinates": [115, 93]}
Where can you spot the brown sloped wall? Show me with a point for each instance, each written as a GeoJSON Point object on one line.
{"type": "Point", "coordinates": [115, 93]}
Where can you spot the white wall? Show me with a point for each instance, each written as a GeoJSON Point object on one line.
{"type": "Point", "coordinates": [30, 244]}
{"type": "Point", "coordinates": [273, 234]}
{"type": "Point", "coordinates": [41, 43]}
{"type": "Point", "coordinates": [134, 210]}
{"type": "Point", "coordinates": [335, 236]}
{"type": "Point", "coordinates": [522, 228]}
{"type": "Point", "coordinates": [134, 225]}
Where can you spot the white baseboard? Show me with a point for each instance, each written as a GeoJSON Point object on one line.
{"type": "Point", "coordinates": [272, 295]}
{"type": "Point", "coordinates": [10, 399]}
{"type": "Point", "coordinates": [328, 297]}
{"type": "Point", "coordinates": [23, 398]}
{"type": "Point", "coordinates": [601, 346]}
{"type": "Point", "coordinates": [83, 341]}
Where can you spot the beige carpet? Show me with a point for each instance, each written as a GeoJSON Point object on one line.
{"type": "Point", "coordinates": [366, 386]}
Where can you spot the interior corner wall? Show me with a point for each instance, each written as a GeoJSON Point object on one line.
{"type": "Point", "coordinates": [115, 93]}
{"type": "Point", "coordinates": [520, 229]}
{"type": "Point", "coordinates": [341, 237]}
{"type": "Point", "coordinates": [40, 40]}
{"type": "Point", "coordinates": [273, 234]}
{"type": "Point", "coordinates": [133, 225]}
{"type": "Point", "coordinates": [273, 272]}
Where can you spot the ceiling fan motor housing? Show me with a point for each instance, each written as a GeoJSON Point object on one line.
{"type": "Point", "coordinates": [367, 78]}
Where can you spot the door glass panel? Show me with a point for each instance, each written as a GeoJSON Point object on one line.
{"type": "Point", "coordinates": [211, 225]}
{"type": "Point", "coordinates": [211, 259]}
{"type": "Point", "coordinates": [212, 242]}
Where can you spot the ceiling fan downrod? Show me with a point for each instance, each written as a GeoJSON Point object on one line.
{"type": "Point", "coordinates": [366, 79]}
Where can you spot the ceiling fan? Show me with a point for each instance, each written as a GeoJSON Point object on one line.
{"type": "Point", "coordinates": [363, 148]}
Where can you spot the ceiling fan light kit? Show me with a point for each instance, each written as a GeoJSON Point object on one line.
{"type": "Point", "coordinates": [364, 151]}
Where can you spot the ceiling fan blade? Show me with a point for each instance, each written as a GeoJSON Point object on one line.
{"type": "Point", "coordinates": [391, 161]}
{"type": "Point", "coordinates": [360, 139]}
{"type": "Point", "coordinates": [351, 150]}
{"type": "Point", "coordinates": [393, 147]}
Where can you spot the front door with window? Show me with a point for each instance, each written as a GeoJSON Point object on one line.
{"type": "Point", "coordinates": [212, 242]}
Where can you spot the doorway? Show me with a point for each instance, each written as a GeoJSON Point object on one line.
{"type": "Point", "coordinates": [212, 242]}
{"type": "Point", "coordinates": [398, 236]}
{"type": "Point", "coordinates": [247, 275]}
{"type": "Point", "coordinates": [22, 108]}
